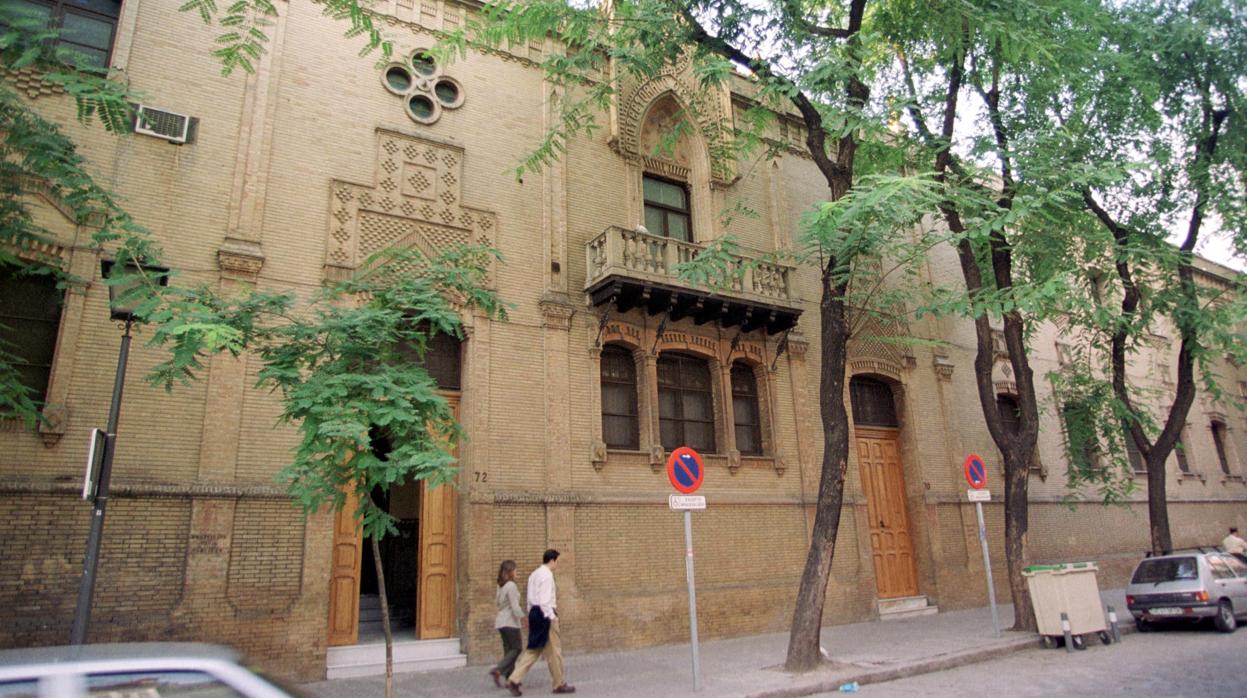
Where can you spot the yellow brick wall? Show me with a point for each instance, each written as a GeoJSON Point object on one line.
{"type": "Point", "coordinates": [223, 556]}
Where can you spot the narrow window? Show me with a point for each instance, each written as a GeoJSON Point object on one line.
{"type": "Point", "coordinates": [1179, 449]}
{"type": "Point", "coordinates": [745, 410]}
{"type": "Point", "coordinates": [86, 28]}
{"type": "Point", "coordinates": [1007, 406]}
{"type": "Point", "coordinates": [1133, 455]}
{"type": "Point", "coordinates": [666, 209]}
{"type": "Point", "coordinates": [30, 316]}
{"type": "Point", "coordinates": [685, 406]}
{"type": "Point", "coordinates": [872, 403]}
{"type": "Point", "coordinates": [1218, 439]}
{"type": "Point", "coordinates": [1080, 436]}
{"type": "Point", "coordinates": [620, 426]}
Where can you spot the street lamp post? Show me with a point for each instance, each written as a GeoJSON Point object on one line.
{"type": "Point", "coordinates": [121, 307]}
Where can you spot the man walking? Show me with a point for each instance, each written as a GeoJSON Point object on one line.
{"type": "Point", "coordinates": [543, 628]}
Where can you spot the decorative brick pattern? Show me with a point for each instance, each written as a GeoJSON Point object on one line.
{"type": "Point", "coordinates": [266, 557]}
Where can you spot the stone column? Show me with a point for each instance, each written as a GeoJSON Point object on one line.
{"type": "Point", "coordinates": [647, 408]}
{"type": "Point", "coordinates": [727, 416]}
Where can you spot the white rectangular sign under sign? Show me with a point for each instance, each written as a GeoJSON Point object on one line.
{"type": "Point", "coordinates": [979, 495]}
{"type": "Point", "coordinates": [686, 502]}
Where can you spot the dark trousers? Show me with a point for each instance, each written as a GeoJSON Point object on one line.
{"type": "Point", "coordinates": [511, 647]}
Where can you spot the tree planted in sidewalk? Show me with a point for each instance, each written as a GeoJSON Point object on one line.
{"type": "Point", "coordinates": [1168, 109]}
{"type": "Point", "coordinates": [811, 60]}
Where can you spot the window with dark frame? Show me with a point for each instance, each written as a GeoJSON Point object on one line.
{"type": "Point", "coordinates": [620, 425]}
{"type": "Point", "coordinates": [667, 209]}
{"type": "Point", "coordinates": [30, 318]}
{"type": "Point", "coordinates": [747, 416]}
{"type": "Point", "coordinates": [872, 402]}
{"type": "Point", "coordinates": [1081, 445]}
{"type": "Point", "coordinates": [87, 28]}
{"type": "Point", "coordinates": [685, 403]}
{"type": "Point", "coordinates": [1218, 440]}
{"type": "Point", "coordinates": [1133, 455]}
{"type": "Point", "coordinates": [1179, 449]}
{"type": "Point", "coordinates": [1007, 406]}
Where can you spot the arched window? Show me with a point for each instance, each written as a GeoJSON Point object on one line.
{"type": "Point", "coordinates": [685, 406]}
{"type": "Point", "coordinates": [619, 411]}
{"type": "Point", "coordinates": [745, 410]}
{"type": "Point", "coordinates": [872, 402]}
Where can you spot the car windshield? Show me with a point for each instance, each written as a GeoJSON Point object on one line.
{"type": "Point", "coordinates": [1165, 570]}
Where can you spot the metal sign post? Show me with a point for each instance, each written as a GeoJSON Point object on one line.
{"type": "Point", "coordinates": [977, 497]}
{"type": "Point", "coordinates": [976, 475]}
{"type": "Point", "coordinates": [686, 472]}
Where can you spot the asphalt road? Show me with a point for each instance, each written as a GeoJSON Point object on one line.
{"type": "Point", "coordinates": [1177, 662]}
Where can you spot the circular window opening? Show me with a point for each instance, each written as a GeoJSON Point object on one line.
{"type": "Point", "coordinates": [422, 108]}
{"type": "Point", "coordinates": [423, 63]}
{"type": "Point", "coordinates": [398, 79]}
{"type": "Point", "coordinates": [447, 93]}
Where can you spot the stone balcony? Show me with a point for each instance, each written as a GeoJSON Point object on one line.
{"type": "Point", "coordinates": [630, 269]}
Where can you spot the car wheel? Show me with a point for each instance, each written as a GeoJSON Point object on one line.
{"type": "Point", "coordinates": [1225, 620]}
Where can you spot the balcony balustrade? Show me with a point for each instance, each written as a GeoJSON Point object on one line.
{"type": "Point", "coordinates": [631, 269]}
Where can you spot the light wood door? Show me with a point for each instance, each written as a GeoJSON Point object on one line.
{"type": "Point", "coordinates": [435, 600]}
{"type": "Point", "coordinates": [344, 576]}
{"type": "Point", "coordinates": [883, 479]}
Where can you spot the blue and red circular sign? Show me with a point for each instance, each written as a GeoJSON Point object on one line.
{"type": "Point", "coordinates": [685, 470]}
{"type": "Point", "coordinates": [976, 471]}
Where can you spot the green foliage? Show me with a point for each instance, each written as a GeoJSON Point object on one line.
{"type": "Point", "coordinates": [348, 367]}
{"type": "Point", "coordinates": [38, 159]}
{"type": "Point", "coordinates": [245, 24]}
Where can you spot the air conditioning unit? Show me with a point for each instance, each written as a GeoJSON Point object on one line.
{"type": "Point", "coordinates": [172, 127]}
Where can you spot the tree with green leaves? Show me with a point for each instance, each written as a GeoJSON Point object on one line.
{"type": "Point", "coordinates": [814, 60]}
{"type": "Point", "coordinates": [347, 365]}
{"type": "Point", "coordinates": [1166, 108]}
{"type": "Point", "coordinates": [977, 79]}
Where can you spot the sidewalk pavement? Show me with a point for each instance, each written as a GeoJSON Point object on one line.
{"type": "Point", "coordinates": [746, 666]}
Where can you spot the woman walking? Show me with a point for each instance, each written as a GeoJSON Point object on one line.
{"type": "Point", "coordinates": [507, 622]}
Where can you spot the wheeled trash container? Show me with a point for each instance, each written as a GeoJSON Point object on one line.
{"type": "Point", "coordinates": [1068, 588]}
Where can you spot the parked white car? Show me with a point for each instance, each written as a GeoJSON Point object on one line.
{"type": "Point", "coordinates": [1189, 586]}
{"type": "Point", "coordinates": [147, 669]}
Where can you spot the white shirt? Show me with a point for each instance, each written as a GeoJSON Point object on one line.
{"type": "Point", "coordinates": [1234, 544]}
{"type": "Point", "coordinates": [541, 591]}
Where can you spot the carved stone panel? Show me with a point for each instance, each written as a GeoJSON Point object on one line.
{"type": "Point", "coordinates": [416, 200]}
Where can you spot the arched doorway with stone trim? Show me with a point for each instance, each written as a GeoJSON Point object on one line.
{"type": "Point", "coordinates": [877, 446]}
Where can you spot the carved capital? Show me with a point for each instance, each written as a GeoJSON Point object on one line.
{"type": "Point", "coordinates": [240, 259]}
{"type": "Point", "coordinates": [733, 461]}
{"type": "Point", "coordinates": [943, 367]}
{"type": "Point", "coordinates": [656, 454]}
{"type": "Point", "coordinates": [598, 457]}
{"type": "Point", "coordinates": [56, 422]}
{"type": "Point", "coordinates": [798, 345]}
{"type": "Point", "coordinates": [556, 312]}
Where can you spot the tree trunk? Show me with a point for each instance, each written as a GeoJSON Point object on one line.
{"type": "Point", "coordinates": [807, 617]}
{"type": "Point", "coordinates": [1016, 523]}
{"type": "Point", "coordinates": [1157, 507]}
{"type": "Point", "coordinates": [385, 620]}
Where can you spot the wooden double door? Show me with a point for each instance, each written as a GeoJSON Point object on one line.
{"type": "Point", "coordinates": [435, 569]}
{"type": "Point", "coordinates": [883, 480]}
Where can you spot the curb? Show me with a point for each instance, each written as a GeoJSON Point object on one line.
{"type": "Point", "coordinates": [917, 668]}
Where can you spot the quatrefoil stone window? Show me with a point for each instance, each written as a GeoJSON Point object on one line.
{"type": "Point", "coordinates": [425, 91]}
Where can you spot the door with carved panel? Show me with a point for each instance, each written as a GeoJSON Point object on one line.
{"type": "Point", "coordinates": [344, 576]}
{"type": "Point", "coordinates": [883, 480]}
{"type": "Point", "coordinates": [435, 602]}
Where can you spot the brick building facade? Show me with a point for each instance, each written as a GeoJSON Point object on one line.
{"type": "Point", "coordinates": [300, 170]}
